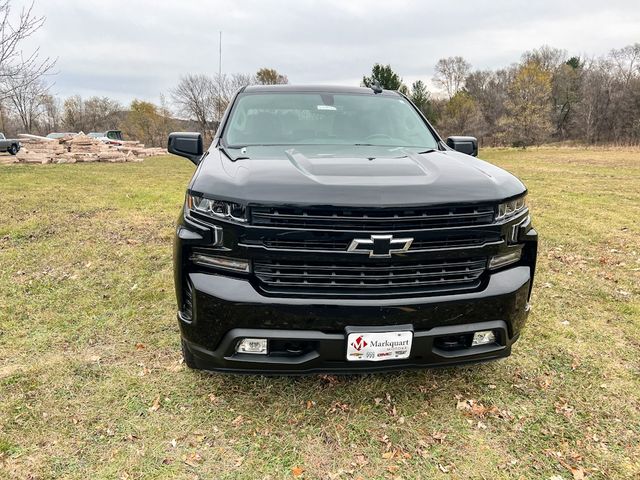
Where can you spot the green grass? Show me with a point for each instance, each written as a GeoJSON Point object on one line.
{"type": "Point", "coordinates": [89, 344]}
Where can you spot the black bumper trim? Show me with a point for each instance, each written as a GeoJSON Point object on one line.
{"type": "Point", "coordinates": [330, 353]}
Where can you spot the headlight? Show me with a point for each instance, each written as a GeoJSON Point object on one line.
{"type": "Point", "coordinates": [512, 207]}
{"type": "Point", "coordinates": [217, 208]}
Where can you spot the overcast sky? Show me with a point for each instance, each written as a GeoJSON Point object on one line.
{"type": "Point", "coordinates": [139, 48]}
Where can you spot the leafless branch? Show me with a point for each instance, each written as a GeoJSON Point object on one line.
{"type": "Point", "coordinates": [17, 68]}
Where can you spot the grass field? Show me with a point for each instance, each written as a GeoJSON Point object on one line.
{"type": "Point", "coordinates": [92, 387]}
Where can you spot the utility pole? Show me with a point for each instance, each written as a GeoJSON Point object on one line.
{"type": "Point", "coordinates": [220, 56]}
{"type": "Point", "coordinates": [220, 79]}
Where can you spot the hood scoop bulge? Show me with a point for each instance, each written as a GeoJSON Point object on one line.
{"type": "Point", "coordinates": [408, 169]}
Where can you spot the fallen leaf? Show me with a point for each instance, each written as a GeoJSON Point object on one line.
{"type": "Point", "coordinates": [565, 409]}
{"type": "Point", "coordinates": [155, 406]}
{"type": "Point", "coordinates": [361, 460]}
{"type": "Point", "coordinates": [140, 346]}
{"type": "Point", "coordinates": [193, 459]}
{"type": "Point", "coordinates": [297, 471]}
{"type": "Point", "coordinates": [578, 473]}
{"type": "Point", "coordinates": [330, 379]}
{"type": "Point", "coordinates": [237, 421]}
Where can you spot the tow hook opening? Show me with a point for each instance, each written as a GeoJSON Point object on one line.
{"type": "Point", "coordinates": [454, 342]}
{"type": "Point", "coordinates": [290, 348]}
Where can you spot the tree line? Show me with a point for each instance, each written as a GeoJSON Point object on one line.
{"type": "Point", "coordinates": [548, 96]}
{"type": "Point", "coordinates": [196, 103]}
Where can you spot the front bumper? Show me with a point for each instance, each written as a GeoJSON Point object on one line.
{"type": "Point", "coordinates": [227, 309]}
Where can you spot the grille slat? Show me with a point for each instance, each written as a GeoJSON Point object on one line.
{"type": "Point", "coordinates": [366, 276]}
{"type": "Point", "coordinates": [314, 277]}
{"type": "Point", "coordinates": [390, 219]}
{"type": "Point", "coordinates": [447, 241]}
{"type": "Point", "coordinates": [364, 267]}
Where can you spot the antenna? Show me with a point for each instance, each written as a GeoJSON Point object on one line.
{"type": "Point", "coordinates": [219, 102]}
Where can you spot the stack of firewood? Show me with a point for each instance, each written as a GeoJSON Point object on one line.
{"type": "Point", "coordinates": [79, 148]}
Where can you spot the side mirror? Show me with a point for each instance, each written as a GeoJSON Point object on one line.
{"type": "Point", "coordinates": [468, 145]}
{"type": "Point", "coordinates": [186, 144]}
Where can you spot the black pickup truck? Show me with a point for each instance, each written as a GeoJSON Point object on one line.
{"type": "Point", "coordinates": [331, 229]}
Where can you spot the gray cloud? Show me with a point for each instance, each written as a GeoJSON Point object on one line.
{"type": "Point", "coordinates": [139, 48]}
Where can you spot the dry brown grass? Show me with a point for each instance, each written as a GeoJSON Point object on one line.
{"type": "Point", "coordinates": [91, 384]}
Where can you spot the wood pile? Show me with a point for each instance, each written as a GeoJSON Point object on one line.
{"type": "Point", "coordinates": [79, 148]}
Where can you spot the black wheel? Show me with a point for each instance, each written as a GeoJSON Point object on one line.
{"type": "Point", "coordinates": [13, 149]}
{"type": "Point", "coordinates": [189, 359]}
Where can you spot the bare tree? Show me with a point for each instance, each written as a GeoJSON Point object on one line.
{"type": "Point", "coordinates": [195, 96]}
{"type": "Point", "coordinates": [52, 114]}
{"type": "Point", "coordinates": [548, 58]}
{"type": "Point", "coordinates": [73, 114]}
{"type": "Point", "coordinates": [225, 86]}
{"type": "Point", "coordinates": [100, 113]}
{"type": "Point", "coordinates": [451, 73]}
{"type": "Point", "coordinates": [17, 68]}
{"type": "Point", "coordinates": [627, 62]}
{"type": "Point", "coordinates": [27, 100]}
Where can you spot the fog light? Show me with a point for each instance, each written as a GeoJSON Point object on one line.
{"type": "Point", "coordinates": [498, 261]}
{"type": "Point", "coordinates": [483, 338]}
{"type": "Point", "coordinates": [252, 345]}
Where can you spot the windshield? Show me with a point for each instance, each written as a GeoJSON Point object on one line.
{"type": "Point", "coordinates": [326, 119]}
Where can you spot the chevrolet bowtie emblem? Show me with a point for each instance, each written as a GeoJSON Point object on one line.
{"type": "Point", "coordinates": [380, 245]}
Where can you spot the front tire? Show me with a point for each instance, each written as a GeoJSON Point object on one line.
{"type": "Point", "coordinates": [189, 359]}
{"type": "Point", "coordinates": [13, 150]}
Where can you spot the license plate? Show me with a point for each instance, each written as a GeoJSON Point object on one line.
{"type": "Point", "coordinates": [379, 346]}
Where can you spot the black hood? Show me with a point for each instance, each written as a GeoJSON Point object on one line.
{"type": "Point", "coordinates": [351, 176]}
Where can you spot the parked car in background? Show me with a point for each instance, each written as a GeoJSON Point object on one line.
{"type": "Point", "coordinates": [333, 229]}
{"type": "Point", "coordinates": [111, 137]}
{"type": "Point", "coordinates": [58, 135]}
{"type": "Point", "coordinates": [9, 145]}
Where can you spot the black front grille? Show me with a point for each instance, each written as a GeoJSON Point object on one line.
{"type": "Point", "coordinates": [387, 219]}
{"type": "Point", "coordinates": [369, 279]}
